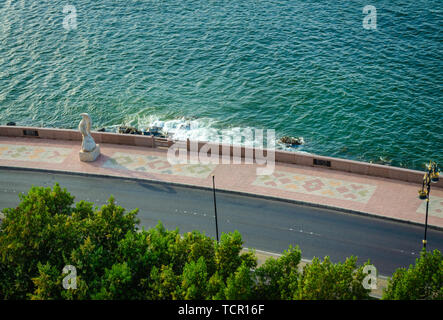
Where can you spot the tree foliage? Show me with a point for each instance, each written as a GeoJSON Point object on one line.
{"type": "Point", "coordinates": [424, 280]}
{"type": "Point", "coordinates": [328, 281]}
{"type": "Point", "coordinates": [116, 260]}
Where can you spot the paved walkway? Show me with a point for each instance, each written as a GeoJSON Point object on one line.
{"type": "Point", "coordinates": [377, 196]}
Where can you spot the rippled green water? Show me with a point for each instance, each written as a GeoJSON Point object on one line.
{"type": "Point", "coordinates": [303, 68]}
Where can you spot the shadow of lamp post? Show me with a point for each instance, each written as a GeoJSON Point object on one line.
{"type": "Point", "coordinates": [431, 176]}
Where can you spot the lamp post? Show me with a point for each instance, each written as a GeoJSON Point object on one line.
{"type": "Point", "coordinates": [215, 207]}
{"type": "Point", "coordinates": [431, 176]}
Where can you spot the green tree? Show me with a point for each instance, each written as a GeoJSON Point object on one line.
{"type": "Point", "coordinates": [216, 287]}
{"type": "Point", "coordinates": [116, 283]}
{"type": "Point", "coordinates": [240, 285]}
{"type": "Point", "coordinates": [37, 230]}
{"type": "Point", "coordinates": [47, 283]}
{"type": "Point", "coordinates": [424, 280]}
{"type": "Point", "coordinates": [194, 280]}
{"type": "Point", "coordinates": [45, 232]}
{"type": "Point", "coordinates": [328, 281]}
{"type": "Point", "coordinates": [163, 284]}
{"type": "Point", "coordinates": [228, 256]}
{"type": "Point", "coordinates": [277, 278]}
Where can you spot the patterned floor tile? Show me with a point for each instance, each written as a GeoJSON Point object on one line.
{"type": "Point", "coordinates": [143, 163]}
{"type": "Point", "coordinates": [33, 153]}
{"type": "Point", "coordinates": [331, 188]}
{"type": "Point", "coordinates": [435, 206]}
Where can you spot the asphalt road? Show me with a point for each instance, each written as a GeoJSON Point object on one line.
{"type": "Point", "coordinates": [268, 225]}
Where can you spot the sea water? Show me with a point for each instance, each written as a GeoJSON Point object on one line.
{"type": "Point", "coordinates": [303, 68]}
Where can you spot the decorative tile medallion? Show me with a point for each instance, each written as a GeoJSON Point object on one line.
{"type": "Point", "coordinates": [331, 188]}
{"type": "Point", "coordinates": [435, 206]}
{"type": "Point", "coordinates": [153, 164]}
{"type": "Point", "coordinates": [33, 153]}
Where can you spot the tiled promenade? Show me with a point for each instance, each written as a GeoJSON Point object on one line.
{"type": "Point", "coordinates": [377, 196]}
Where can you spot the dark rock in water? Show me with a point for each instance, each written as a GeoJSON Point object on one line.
{"type": "Point", "coordinates": [291, 141]}
{"type": "Point", "coordinates": [101, 130]}
{"type": "Point", "coordinates": [128, 130]}
{"type": "Point", "coordinates": [154, 131]}
{"type": "Point", "coordinates": [11, 123]}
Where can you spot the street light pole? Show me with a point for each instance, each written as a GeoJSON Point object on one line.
{"type": "Point", "coordinates": [432, 175]}
{"type": "Point", "coordinates": [426, 220]}
{"type": "Point", "coordinates": [215, 207]}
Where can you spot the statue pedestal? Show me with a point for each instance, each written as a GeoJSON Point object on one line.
{"type": "Point", "coordinates": [86, 156]}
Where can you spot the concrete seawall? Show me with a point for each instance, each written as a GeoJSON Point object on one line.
{"type": "Point", "coordinates": [297, 158]}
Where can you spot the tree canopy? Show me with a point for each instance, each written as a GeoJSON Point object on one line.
{"type": "Point", "coordinates": [422, 281]}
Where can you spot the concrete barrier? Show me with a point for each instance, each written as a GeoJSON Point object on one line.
{"type": "Point", "coordinates": [297, 158]}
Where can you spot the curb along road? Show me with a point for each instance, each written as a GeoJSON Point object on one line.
{"type": "Point", "coordinates": [235, 192]}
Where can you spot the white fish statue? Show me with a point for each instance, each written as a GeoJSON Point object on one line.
{"type": "Point", "coordinates": [84, 127]}
{"type": "Point", "coordinates": [90, 151]}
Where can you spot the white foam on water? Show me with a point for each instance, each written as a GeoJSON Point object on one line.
{"type": "Point", "coordinates": [202, 129]}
